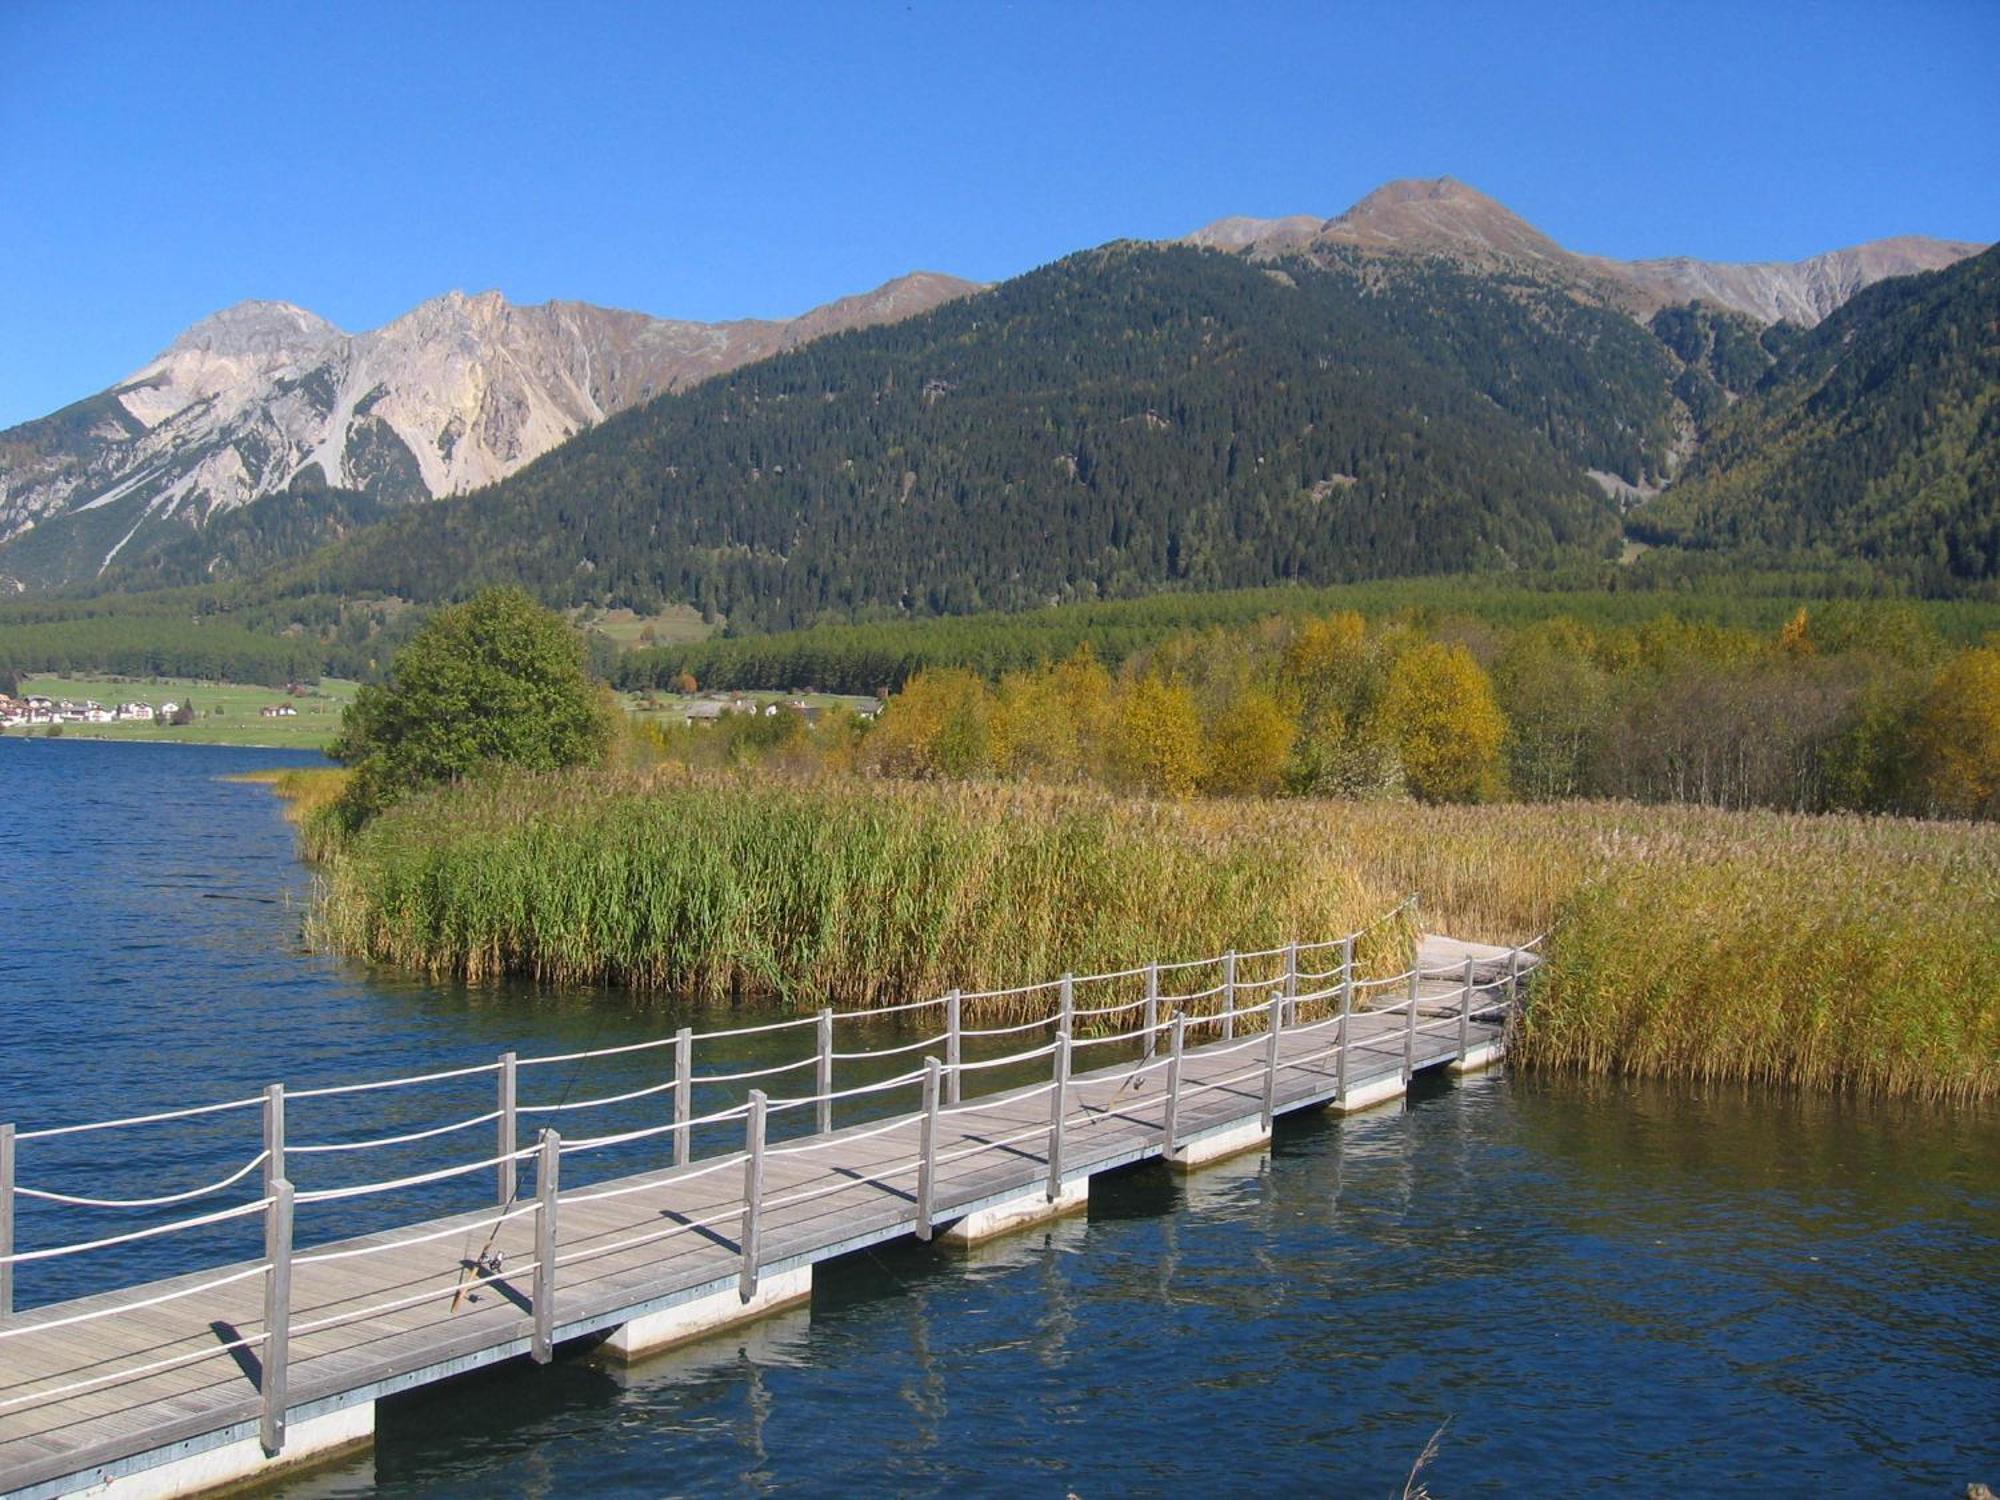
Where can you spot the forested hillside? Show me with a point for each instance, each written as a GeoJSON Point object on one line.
{"type": "Point", "coordinates": [1876, 435]}
{"type": "Point", "coordinates": [1122, 421]}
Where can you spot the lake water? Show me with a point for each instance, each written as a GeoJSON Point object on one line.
{"type": "Point", "coordinates": [1583, 1284]}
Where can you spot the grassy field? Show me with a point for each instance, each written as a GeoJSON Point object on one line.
{"type": "Point", "coordinates": [676, 625]}
{"type": "Point", "coordinates": [1831, 953]}
{"type": "Point", "coordinates": [227, 713]}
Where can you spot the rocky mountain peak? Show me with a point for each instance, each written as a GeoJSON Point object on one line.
{"type": "Point", "coordinates": [1444, 216]}
{"type": "Point", "coordinates": [1439, 214]}
{"type": "Point", "coordinates": [254, 327]}
{"type": "Point", "coordinates": [456, 393]}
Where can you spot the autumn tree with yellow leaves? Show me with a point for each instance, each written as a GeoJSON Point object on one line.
{"type": "Point", "coordinates": [1438, 711]}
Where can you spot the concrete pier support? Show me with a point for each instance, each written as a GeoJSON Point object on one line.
{"type": "Point", "coordinates": [1016, 1213]}
{"type": "Point", "coordinates": [1369, 1096]}
{"type": "Point", "coordinates": [694, 1319]}
{"type": "Point", "coordinates": [1487, 1055]}
{"type": "Point", "coordinates": [314, 1440]}
{"type": "Point", "coordinates": [1250, 1135]}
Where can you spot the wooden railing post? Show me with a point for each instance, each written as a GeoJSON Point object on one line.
{"type": "Point", "coordinates": [6, 1220]}
{"type": "Point", "coordinates": [274, 1136]}
{"type": "Point", "coordinates": [1513, 977]}
{"type": "Point", "coordinates": [1291, 1006]}
{"type": "Point", "coordinates": [510, 1130]}
{"type": "Point", "coordinates": [683, 1095]}
{"type": "Point", "coordinates": [1174, 1050]}
{"type": "Point", "coordinates": [954, 1054]}
{"type": "Point", "coordinates": [1229, 996]}
{"type": "Point", "coordinates": [1346, 1016]}
{"type": "Point", "coordinates": [823, 1079]}
{"type": "Point", "coordinates": [1465, 1015]}
{"type": "Point", "coordinates": [1273, 1037]}
{"type": "Point", "coordinates": [753, 1196]}
{"type": "Point", "coordinates": [1410, 1030]}
{"type": "Point", "coordinates": [1066, 1020]}
{"type": "Point", "coordinates": [1152, 1011]}
{"type": "Point", "coordinates": [927, 1149]}
{"type": "Point", "coordinates": [1058, 1108]}
{"type": "Point", "coordinates": [548, 1168]}
{"type": "Point", "coordinates": [277, 1315]}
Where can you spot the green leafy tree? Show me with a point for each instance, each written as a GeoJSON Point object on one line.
{"type": "Point", "coordinates": [495, 680]}
{"type": "Point", "coordinates": [1557, 701]}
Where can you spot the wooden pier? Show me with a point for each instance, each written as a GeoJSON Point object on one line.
{"type": "Point", "coordinates": [189, 1383]}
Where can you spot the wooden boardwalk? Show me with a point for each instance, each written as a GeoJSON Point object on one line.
{"type": "Point", "coordinates": [142, 1385]}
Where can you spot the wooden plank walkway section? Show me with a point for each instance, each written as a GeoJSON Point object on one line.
{"type": "Point", "coordinates": [187, 1383]}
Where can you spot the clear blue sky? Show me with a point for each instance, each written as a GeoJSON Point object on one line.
{"type": "Point", "coordinates": [160, 161]}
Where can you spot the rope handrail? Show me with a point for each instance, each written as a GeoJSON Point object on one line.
{"type": "Point", "coordinates": [328, 1091]}
{"type": "Point", "coordinates": [299, 1330]}
{"type": "Point", "coordinates": [989, 1101]}
{"type": "Point", "coordinates": [929, 1041]}
{"type": "Point", "coordinates": [22, 1257]}
{"type": "Point", "coordinates": [419, 1179]}
{"type": "Point", "coordinates": [358, 1252]}
{"type": "Point", "coordinates": [1049, 1020]}
{"type": "Point", "coordinates": [597, 1101]}
{"type": "Point", "coordinates": [651, 1044]}
{"type": "Point", "coordinates": [1012, 1057]}
{"type": "Point", "coordinates": [706, 1169]}
{"type": "Point", "coordinates": [891, 1010]}
{"type": "Point", "coordinates": [45, 1324]}
{"type": "Point", "coordinates": [644, 1132]}
{"type": "Point", "coordinates": [880, 1086]}
{"type": "Point", "coordinates": [165, 1114]}
{"type": "Point", "coordinates": [35, 1398]}
{"type": "Point", "coordinates": [770, 1072]}
{"type": "Point", "coordinates": [175, 1295]}
{"type": "Point", "coordinates": [201, 1192]}
{"type": "Point", "coordinates": [843, 1137]}
{"type": "Point", "coordinates": [318, 1148]}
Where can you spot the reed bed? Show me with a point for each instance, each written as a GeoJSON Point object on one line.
{"type": "Point", "coordinates": [1822, 952]}
{"type": "Point", "coordinates": [1838, 953]}
{"type": "Point", "coordinates": [840, 892]}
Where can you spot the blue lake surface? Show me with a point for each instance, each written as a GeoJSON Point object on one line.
{"type": "Point", "coordinates": [1583, 1283]}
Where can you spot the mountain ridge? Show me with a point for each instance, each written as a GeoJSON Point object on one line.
{"type": "Point", "coordinates": [1446, 216]}
{"type": "Point", "coordinates": [465, 390]}
{"type": "Point", "coordinates": [455, 393]}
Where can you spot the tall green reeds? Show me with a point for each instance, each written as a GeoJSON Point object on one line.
{"type": "Point", "coordinates": [851, 892]}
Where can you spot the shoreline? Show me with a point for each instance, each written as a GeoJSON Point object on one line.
{"type": "Point", "coordinates": [120, 739]}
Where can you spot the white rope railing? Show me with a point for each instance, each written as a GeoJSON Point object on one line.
{"type": "Point", "coordinates": [324, 1147]}
{"type": "Point", "coordinates": [201, 1192]}
{"type": "Point", "coordinates": [165, 1114]}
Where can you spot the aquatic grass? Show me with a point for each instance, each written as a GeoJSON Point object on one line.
{"type": "Point", "coordinates": [834, 892]}
{"type": "Point", "coordinates": [1822, 952]}
{"type": "Point", "coordinates": [1818, 952]}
